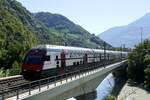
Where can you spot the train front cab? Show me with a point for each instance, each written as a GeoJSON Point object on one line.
{"type": "Point", "coordinates": [33, 63]}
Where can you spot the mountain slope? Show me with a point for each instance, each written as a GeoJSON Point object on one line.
{"type": "Point", "coordinates": [60, 23]}
{"type": "Point", "coordinates": [72, 33]}
{"type": "Point", "coordinates": [15, 38]}
{"type": "Point", "coordinates": [28, 20]}
{"type": "Point", "coordinates": [130, 34]}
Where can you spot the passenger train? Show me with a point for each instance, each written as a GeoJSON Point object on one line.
{"type": "Point", "coordinates": [50, 60]}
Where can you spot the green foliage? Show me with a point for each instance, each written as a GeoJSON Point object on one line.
{"type": "Point", "coordinates": [139, 63]}
{"type": "Point", "coordinates": [110, 97]}
{"type": "Point", "coordinates": [147, 77]}
{"type": "Point", "coordinates": [147, 71]}
{"type": "Point", "coordinates": [16, 69]}
{"type": "Point", "coordinates": [15, 40]}
{"type": "Point", "coordinates": [4, 73]}
{"type": "Point", "coordinates": [131, 82]}
{"type": "Point", "coordinates": [134, 68]}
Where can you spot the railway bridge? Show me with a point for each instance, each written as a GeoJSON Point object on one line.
{"type": "Point", "coordinates": [64, 86]}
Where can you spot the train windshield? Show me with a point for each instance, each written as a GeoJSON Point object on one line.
{"type": "Point", "coordinates": [33, 59]}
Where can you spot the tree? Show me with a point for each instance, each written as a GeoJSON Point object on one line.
{"type": "Point", "coordinates": [147, 71]}
{"type": "Point", "coordinates": [15, 38]}
{"type": "Point", "coordinates": [138, 62]}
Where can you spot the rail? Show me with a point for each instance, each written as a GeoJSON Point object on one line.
{"type": "Point", "coordinates": [11, 81]}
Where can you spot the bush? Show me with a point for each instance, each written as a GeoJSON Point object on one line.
{"type": "Point", "coordinates": [15, 70]}
{"type": "Point", "coordinates": [131, 82]}
{"type": "Point", "coordinates": [147, 77]}
{"type": "Point", "coordinates": [110, 97]}
{"type": "Point", "coordinates": [4, 73]}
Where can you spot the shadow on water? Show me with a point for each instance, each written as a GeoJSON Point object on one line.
{"type": "Point", "coordinates": [119, 83]}
{"type": "Point", "coordinates": [88, 96]}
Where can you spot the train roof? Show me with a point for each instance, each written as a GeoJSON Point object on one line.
{"type": "Point", "coordinates": [70, 48]}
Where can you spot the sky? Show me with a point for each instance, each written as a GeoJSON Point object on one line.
{"type": "Point", "coordinates": [96, 16]}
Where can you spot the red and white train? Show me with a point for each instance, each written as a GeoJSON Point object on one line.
{"type": "Point", "coordinates": [48, 60]}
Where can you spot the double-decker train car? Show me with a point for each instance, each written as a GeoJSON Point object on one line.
{"type": "Point", "coordinates": [49, 60]}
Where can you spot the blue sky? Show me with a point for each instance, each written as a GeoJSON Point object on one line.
{"type": "Point", "coordinates": [95, 16]}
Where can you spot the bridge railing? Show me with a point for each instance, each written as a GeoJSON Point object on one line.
{"type": "Point", "coordinates": [38, 84]}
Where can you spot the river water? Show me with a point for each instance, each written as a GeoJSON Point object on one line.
{"type": "Point", "coordinates": [103, 89]}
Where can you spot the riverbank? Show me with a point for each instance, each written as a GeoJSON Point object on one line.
{"type": "Point", "coordinates": [133, 93]}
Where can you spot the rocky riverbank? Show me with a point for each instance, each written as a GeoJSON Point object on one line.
{"type": "Point", "coordinates": [133, 93]}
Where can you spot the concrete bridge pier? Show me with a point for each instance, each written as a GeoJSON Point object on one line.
{"type": "Point", "coordinates": [121, 71]}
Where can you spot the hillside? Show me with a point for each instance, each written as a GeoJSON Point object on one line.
{"type": "Point", "coordinates": [27, 19]}
{"type": "Point", "coordinates": [130, 34]}
{"type": "Point", "coordinates": [15, 38]}
{"type": "Point", "coordinates": [67, 31]}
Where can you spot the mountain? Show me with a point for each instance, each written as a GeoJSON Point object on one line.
{"type": "Point", "coordinates": [130, 34]}
{"type": "Point", "coordinates": [67, 31]}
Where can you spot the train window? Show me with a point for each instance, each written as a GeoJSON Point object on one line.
{"type": "Point", "coordinates": [80, 62]}
{"type": "Point", "coordinates": [46, 58]}
{"type": "Point", "coordinates": [57, 66]}
{"type": "Point", "coordinates": [74, 63]}
{"type": "Point", "coordinates": [33, 59]}
{"type": "Point", "coordinates": [57, 62]}
{"type": "Point", "coordinates": [70, 56]}
{"type": "Point", "coordinates": [56, 57]}
{"type": "Point", "coordinates": [77, 63]}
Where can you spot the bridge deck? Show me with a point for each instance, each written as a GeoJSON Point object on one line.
{"type": "Point", "coordinates": [59, 83]}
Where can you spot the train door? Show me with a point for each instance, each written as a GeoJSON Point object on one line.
{"type": "Point", "coordinates": [63, 62]}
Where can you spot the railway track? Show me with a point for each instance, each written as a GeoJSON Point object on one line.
{"type": "Point", "coordinates": [8, 82]}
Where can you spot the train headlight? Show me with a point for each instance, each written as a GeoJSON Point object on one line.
{"type": "Point", "coordinates": [37, 70]}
